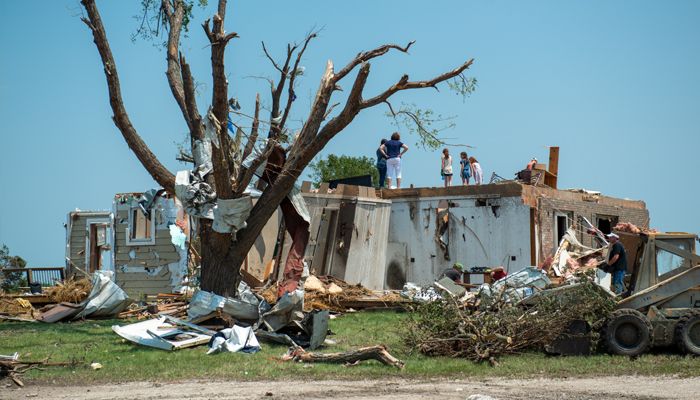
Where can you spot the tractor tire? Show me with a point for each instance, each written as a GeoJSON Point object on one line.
{"type": "Point", "coordinates": [687, 333]}
{"type": "Point", "coordinates": [627, 332]}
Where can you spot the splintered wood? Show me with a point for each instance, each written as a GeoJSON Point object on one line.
{"type": "Point", "coordinates": [379, 353]}
{"type": "Point", "coordinates": [173, 305]}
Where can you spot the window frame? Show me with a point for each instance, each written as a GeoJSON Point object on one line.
{"type": "Point", "coordinates": [152, 228]}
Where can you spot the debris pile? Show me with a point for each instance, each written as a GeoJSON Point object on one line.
{"type": "Point", "coordinates": [173, 305]}
{"type": "Point", "coordinates": [71, 290]}
{"type": "Point", "coordinates": [333, 294]}
{"type": "Point", "coordinates": [448, 328]}
{"type": "Point", "coordinates": [632, 228]}
{"type": "Point", "coordinates": [16, 309]}
{"type": "Point", "coordinates": [572, 259]}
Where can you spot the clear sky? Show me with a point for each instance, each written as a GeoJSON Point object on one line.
{"type": "Point", "coordinates": [615, 84]}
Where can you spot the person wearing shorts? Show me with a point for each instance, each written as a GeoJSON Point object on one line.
{"type": "Point", "coordinates": [446, 167]}
{"type": "Point", "coordinates": [393, 150]}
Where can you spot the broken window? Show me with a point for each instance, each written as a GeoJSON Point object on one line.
{"type": "Point", "coordinates": [442, 227]}
{"type": "Point", "coordinates": [605, 223]}
{"type": "Point", "coordinates": [667, 261]}
{"type": "Point", "coordinates": [562, 222]}
{"type": "Point", "coordinates": [141, 227]}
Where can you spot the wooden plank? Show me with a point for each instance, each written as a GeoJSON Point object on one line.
{"type": "Point", "coordinates": [323, 188]}
{"type": "Point", "coordinates": [553, 167]}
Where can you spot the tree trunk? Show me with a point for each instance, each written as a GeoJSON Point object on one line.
{"type": "Point", "coordinates": [221, 261]}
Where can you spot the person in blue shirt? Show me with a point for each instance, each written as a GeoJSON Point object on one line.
{"type": "Point", "coordinates": [393, 150]}
{"type": "Point", "coordinates": [381, 164]}
{"type": "Point", "coordinates": [465, 168]}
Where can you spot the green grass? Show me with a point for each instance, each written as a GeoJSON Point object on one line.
{"type": "Point", "coordinates": [94, 341]}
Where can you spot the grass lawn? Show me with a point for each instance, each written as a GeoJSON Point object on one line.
{"type": "Point", "coordinates": [94, 341]}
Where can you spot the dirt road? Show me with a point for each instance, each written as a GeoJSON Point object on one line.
{"type": "Point", "coordinates": [628, 387]}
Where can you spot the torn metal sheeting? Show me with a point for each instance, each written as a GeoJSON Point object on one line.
{"type": "Point", "coordinates": [234, 339]}
{"type": "Point", "coordinates": [201, 152]}
{"type": "Point", "coordinates": [105, 299]}
{"type": "Point", "coordinates": [274, 337]}
{"type": "Point", "coordinates": [316, 325]}
{"type": "Point", "coordinates": [60, 312]}
{"type": "Point", "coordinates": [287, 310]}
{"type": "Point", "coordinates": [197, 197]}
{"type": "Point", "coordinates": [230, 214]}
{"type": "Point", "coordinates": [244, 307]}
{"type": "Point", "coordinates": [165, 333]}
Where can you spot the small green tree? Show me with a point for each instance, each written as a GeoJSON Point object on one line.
{"type": "Point", "coordinates": [339, 167]}
{"type": "Point", "coordinates": [10, 281]}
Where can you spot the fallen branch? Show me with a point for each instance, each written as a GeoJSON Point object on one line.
{"type": "Point", "coordinates": [379, 353]}
{"type": "Point", "coordinates": [14, 368]}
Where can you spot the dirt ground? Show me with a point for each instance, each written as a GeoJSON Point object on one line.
{"type": "Point", "coordinates": [627, 387]}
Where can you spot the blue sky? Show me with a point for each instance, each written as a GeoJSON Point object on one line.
{"type": "Point", "coordinates": [615, 84]}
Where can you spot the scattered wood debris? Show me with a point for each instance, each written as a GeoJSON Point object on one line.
{"type": "Point", "coordinates": [174, 305]}
{"type": "Point", "coordinates": [14, 308]}
{"type": "Point", "coordinates": [333, 294]}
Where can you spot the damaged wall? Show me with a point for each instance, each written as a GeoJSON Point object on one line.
{"type": "Point", "coordinates": [431, 229]}
{"type": "Point", "coordinates": [146, 259]}
{"type": "Point", "coordinates": [348, 235]}
{"type": "Point", "coordinates": [89, 241]}
{"type": "Point", "coordinates": [573, 204]}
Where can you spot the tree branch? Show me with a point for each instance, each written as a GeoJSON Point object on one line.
{"type": "Point", "coordinates": [269, 57]}
{"type": "Point", "coordinates": [404, 84]}
{"type": "Point", "coordinates": [220, 156]}
{"type": "Point", "coordinates": [318, 111]}
{"type": "Point", "coordinates": [121, 119]}
{"type": "Point", "coordinates": [368, 55]}
{"type": "Point", "coordinates": [253, 130]}
{"type": "Point", "coordinates": [290, 93]}
{"type": "Point", "coordinates": [197, 130]}
{"type": "Point", "coordinates": [275, 127]}
{"type": "Point", "coordinates": [174, 74]}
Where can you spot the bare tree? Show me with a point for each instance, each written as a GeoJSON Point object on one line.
{"type": "Point", "coordinates": [224, 253]}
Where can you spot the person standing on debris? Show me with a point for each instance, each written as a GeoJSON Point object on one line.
{"type": "Point", "coordinates": [617, 263]}
{"type": "Point", "coordinates": [381, 164]}
{"type": "Point", "coordinates": [446, 166]}
{"type": "Point", "coordinates": [465, 169]}
{"type": "Point", "coordinates": [454, 273]}
{"type": "Point", "coordinates": [531, 164]}
{"type": "Point", "coordinates": [392, 150]}
{"type": "Point", "coordinates": [477, 173]}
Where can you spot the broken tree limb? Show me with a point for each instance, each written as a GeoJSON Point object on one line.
{"type": "Point", "coordinates": [13, 369]}
{"type": "Point", "coordinates": [379, 353]}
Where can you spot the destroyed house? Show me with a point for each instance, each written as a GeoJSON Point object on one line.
{"type": "Point", "coordinates": [386, 239]}
{"type": "Point", "coordinates": [507, 224]}
{"type": "Point", "coordinates": [145, 241]}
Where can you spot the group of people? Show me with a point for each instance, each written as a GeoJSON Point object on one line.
{"type": "Point", "coordinates": [469, 168]}
{"type": "Point", "coordinates": [389, 156]}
